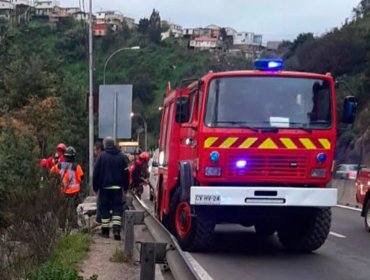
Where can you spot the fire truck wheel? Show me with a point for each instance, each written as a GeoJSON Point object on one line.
{"type": "Point", "coordinates": [193, 233]}
{"type": "Point", "coordinates": [307, 232]}
{"type": "Point", "coordinates": [264, 229]}
{"type": "Point", "coordinates": [367, 215]}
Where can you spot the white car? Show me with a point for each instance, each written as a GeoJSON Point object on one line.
{"type": "Point", "coordinates": [153, 173]}
{"type": "Point", "coordinates": [346, 171]}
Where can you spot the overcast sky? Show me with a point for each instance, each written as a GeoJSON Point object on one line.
{"type": "Point", "coordinates": [274, 19]}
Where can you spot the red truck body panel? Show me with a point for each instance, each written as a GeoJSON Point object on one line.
{"type": "Point", "coordinates": [268, 153]}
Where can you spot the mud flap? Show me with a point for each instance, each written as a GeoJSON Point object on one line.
{"type": "Point", "coordinates": [186, 179]}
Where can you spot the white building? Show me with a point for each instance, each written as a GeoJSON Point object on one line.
{"type": "Point", "coordinates": [22, 2]}
{"type": "Point", "coordinates": [81, 16]}
{"type": "Point", "coordinates": [203, 43]}
{"type": "Point", "coordinates": [243, 38]}
{"type": "Point", "coordinates": [6, 8]}
{"type": "Point", "coordinates": [175, 30]}
{"type": "Point", "coordinates": [110, 17]}
{"type": "Point", "coordinates": [230, 31]}
{"type": "Point", "coordinates": [46, 7]}
{"type": "Point", "coordinates": [247, 38]}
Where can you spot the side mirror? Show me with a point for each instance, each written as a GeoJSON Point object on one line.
{"type": "Point", "coordinates": [155, 164]}
{"type": "Point", "coordinates": [182, 109]}
{"type": "Point", "coordinates": [349, 109]}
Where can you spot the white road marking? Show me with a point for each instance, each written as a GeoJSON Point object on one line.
{"type": "Point", "coordinates": [337, 234]}
{"type": "Point", "coordinates": [348, 207]}
{"type": "Point", "coordinates": [198, 268]}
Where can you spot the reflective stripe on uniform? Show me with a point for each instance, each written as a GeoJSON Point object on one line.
{"type": "Point", "coordinates": [116, 220]}
{"type": "Point", "coordinates": [105, 223]}
{"type": "Point", "coordinates": [112, 188]}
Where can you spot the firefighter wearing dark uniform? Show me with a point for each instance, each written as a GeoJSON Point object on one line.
{"type": "Point", "coordinates": [110, 180]}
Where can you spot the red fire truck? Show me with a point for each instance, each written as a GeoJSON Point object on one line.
{"type": "Point", "coordinates": [250, 147]}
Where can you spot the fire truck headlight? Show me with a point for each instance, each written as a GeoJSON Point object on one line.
{"type": "Point", "coordinates": [214, 156]}
{"type": "Point", "coordinates": [212, 171]}
{"type": "Point", "coordinates": [318, 172]}
{"type": "Point", "coordinates": [321, 157]}
{"type": "Point", "coordinates": [241, 163]}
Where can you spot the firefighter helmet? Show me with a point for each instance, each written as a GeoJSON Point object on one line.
{"type": "Point", "coordinates": [43, 163]}
{"type": "Point", "coordinates": [144, 156]}
{"type": "Point", "coordinates": [70, 152]}
{"type": "Point", "coordinates": [62, 147]}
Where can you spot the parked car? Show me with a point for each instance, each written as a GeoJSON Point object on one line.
{"type": "Point", "coordinates": [153, 173]}
{"type": "Point", "coordinates": [346, 171]}
{"type": "Point", "coordinates": [363, 194]}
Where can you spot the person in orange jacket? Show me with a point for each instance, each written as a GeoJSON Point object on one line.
{"type": "Point", "coordinates": [70, 172]}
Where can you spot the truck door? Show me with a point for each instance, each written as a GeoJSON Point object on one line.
{"type": "Point", "coordinates": [188, 131]}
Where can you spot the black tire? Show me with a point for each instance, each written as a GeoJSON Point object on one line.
{"type": "Point", "coordinates": [264, 229]}
{"type": "Point", "coordinates": [367, 216]}
{"type": "Point", "coordinates": [306, 232]}
{"type": "Point", "coordinates": [200, 236]}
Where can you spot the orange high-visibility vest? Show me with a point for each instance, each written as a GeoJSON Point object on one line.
{"type": "Point", "coordinates": [71, 175]}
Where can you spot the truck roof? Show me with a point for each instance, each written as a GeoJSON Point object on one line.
{"type": "Point", "coordinates": [266, 73]}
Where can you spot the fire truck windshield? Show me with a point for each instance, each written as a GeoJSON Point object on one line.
{"type": "Point", "coordinates": [264, 102]}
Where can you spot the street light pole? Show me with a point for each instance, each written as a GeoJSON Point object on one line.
{"type": "Point", "coordinates": [91, 110]}
{"type": "Point", "coordinates": [113, 54]}
{"type": "Point", "coordinates": [145, 128]}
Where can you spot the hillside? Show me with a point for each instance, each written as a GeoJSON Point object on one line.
{"type": "Point", "coordinates": [44, 86]}
{"type": "Point", "coordinates": [345, 53]}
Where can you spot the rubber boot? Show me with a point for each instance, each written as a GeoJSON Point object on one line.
{"type": "Point", "coordinates": [105, 232]}
{"type": "Point", "coordinates": [117, 232]}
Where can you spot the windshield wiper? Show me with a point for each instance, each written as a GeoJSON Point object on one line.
{"type": "Point", "coordinates": [301, 126]}
{"type": "Point", "coordinates": [237, 122]}
{"type": "Point", "coordinates": [270, 129]}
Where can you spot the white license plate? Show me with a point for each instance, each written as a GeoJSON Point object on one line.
{"type": "Point", "coordinates": [207, 199]}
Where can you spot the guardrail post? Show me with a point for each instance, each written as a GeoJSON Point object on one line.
{"type": "Point", "coordinates": [150, 254]}
{"type": "Point", "coordinates": [132, 218]}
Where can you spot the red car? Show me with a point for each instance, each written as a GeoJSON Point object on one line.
{"type": "Point", "coordinates": [363, 194]}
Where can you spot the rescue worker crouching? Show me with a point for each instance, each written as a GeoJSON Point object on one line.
{"type": "Point", "coordinates": [139, 173]}
{"type": "Point", "coordinates": [70, 172]}
{"type": "Point", "coordinates": [110, 179]}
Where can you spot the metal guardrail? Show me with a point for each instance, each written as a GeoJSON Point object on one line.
{"type": "Point", "coordinates": [181, 268]}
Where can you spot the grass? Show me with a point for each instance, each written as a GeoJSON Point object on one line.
{"type": "Point", "coordinates": [63, 264]}
{"type": "Point", "coordinates": [118, 256]}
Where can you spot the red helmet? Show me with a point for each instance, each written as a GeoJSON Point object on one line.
{"type": "Point", "coordinates": [144, 156]}
{"type": "Point", "coordinates": [43, 163]}
{"type": "Point", "coordinates": [62, 147]}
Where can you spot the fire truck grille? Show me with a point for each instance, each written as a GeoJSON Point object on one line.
{"type": "Point", "coordinates": [268, 166]}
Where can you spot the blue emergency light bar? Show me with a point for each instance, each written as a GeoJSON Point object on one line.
{"type": "Point", "coordinates": [268, 64]}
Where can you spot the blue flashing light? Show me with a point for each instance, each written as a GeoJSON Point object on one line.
{"type": "Point", "coordinates": [268, 64]}
{"type": "Point", "coordinates": [214, 156]}
{"type": "Point", "coordinates": [241, 163]}
{"type": "Point", "coordinates": [321, 157]}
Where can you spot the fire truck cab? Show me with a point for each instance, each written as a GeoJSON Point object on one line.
{"type": "Point", "coordinates": [250, 147]}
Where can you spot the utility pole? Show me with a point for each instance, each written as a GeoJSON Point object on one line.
{"type": "Point", "coordinates": [91, 103]}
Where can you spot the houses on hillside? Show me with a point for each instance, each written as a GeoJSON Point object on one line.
{"type": "Point", "coordinates": [15, 10]}
{"type": "Point", "coordinates": [211, 37]}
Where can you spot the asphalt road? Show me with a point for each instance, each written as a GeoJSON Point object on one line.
{"type": "Point", "coordinates": [240, 254]}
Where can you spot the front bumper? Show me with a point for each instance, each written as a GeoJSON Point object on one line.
{"type": "Point", "coordinates": [263, 196]}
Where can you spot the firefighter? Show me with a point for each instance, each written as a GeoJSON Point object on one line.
{"type": "Point", "coordinates": [70, 172]}
{"type": "Point", "coordinates": [110, 179]}
{"type": "Point", "coordinates": [98, 148]}
{"type": "Point", "coordinates": [58, 156]}
{"type": "Point", "coordinates": [139, 173]}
